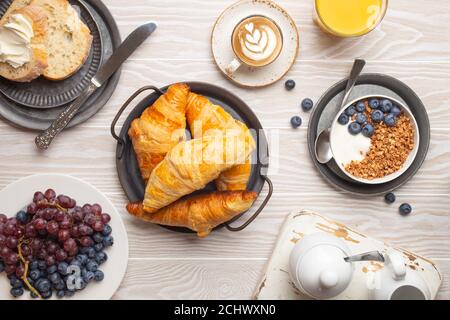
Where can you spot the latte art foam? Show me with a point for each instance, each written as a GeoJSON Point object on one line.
{"type": "Point", "coordinates": [257, 41]}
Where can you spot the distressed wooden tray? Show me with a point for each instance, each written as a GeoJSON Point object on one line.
{"type": "Point", "coordinates": [276, 282]}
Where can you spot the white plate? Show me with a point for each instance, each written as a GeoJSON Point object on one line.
{"type": "Point", "coordinates": [19, 194]}
{"type": "Point", "coordinates": [223, 52]}
{"type": "Point", "coordinates": [334, 143]}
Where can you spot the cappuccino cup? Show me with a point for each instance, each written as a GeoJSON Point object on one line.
{"type": "Point", "coordinates": [256, 41]}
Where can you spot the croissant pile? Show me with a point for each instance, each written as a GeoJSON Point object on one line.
{"type": "Point", "coordinates": [173, 168]}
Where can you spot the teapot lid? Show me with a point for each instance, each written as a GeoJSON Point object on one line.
{"type": "Point", "coordinates": [321, 269]}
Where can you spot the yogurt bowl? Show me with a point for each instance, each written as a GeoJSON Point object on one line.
{"type": "Point", "coordinates": [347, 147]}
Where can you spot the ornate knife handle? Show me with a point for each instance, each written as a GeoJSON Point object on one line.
{"type": "Point", "coordinates": [45, 138]}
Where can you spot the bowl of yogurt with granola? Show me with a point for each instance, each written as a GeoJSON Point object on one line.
{"type": "Point", "coordinates": [374, 139]}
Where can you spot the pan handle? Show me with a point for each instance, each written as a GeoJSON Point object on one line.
{"type": "Point", "coordinates": [257, 212]}
{"type": "Point", "coordinates": [125, 105]}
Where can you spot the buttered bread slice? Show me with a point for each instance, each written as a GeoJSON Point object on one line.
{"type": "Point", "coordinates": [23, 53]}
{"type": "Point", "coordinates": [69, 39]}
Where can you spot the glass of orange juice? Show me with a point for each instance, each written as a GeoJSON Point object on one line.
{"type": "Point", "coordinates": [349, 18]}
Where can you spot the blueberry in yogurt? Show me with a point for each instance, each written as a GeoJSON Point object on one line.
{"type": "Point", "coordinates": [374, 103]}
{"type": "Point", "coordinates": [350, 111]}
{"type": "Point", "coordinates": [354, 128]}
{"type": "Point", "coordinates": [360, 106]}
{"type": "Point", "coordinates": [377, 115]}
{"type": "Point", "coordinates": [343, 119]}
{"type": "Point", "coordinates": [367, 130]}
{"type": "Point", "coordinates": [396, 111]}
{"type": "Point", "coordinates": [361, 118]}
{"type": "Point", "coordinates": [386, 105]}
{"type": "Point", "coordinates": [390, 120]}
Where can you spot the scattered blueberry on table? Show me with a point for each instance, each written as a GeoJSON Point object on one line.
{"type": "Point", "coordinates": [289, 84]}
{"type": "Point", "coordinates": [307, 104]}
{"type": "Point", "coordinates": [296, 121]}
{"type": "Point", "coordinates": [389, 197]}
{"type": "Point", "coordinates": [354, 128]}
{"type": "Point", "coordinates": [405, 209]}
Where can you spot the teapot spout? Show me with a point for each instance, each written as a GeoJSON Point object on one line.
{"type": "Point", "coordinates": [367, 256]}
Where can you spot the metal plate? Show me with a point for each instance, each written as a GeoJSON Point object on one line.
{"type": "Point", "coordinates": [43, 93]}
{"type": "Point", "coordinates": [40, 119]}
{"type": "Point", "coordinates": [328, 106]}
{"type": "Point", "coordinates": [128, 168]}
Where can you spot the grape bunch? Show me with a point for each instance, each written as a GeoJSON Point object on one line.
{"type": "Point", "coordinates": [54, 246]}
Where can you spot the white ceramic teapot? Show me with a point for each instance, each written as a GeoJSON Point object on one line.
{"type": "Point", "coordinates": [317, 266]}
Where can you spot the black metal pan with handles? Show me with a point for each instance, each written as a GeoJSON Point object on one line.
{"type": "Point", "coordinates": [128, 168]}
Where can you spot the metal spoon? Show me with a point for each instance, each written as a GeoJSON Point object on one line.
{"type": "Point", "coordinates": [367, 256]}
{"type": "Point", "coordinates": [322, 144]}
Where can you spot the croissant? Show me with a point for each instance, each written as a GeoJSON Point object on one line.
{"type": "Point", "coordinates": [206, 118]}
{"type": "Point", "coordinates": [160, 127]}
{"type": "Point", "coordinates": [190, 165]}
{"type": "Point", "coordinates": [200, 213]}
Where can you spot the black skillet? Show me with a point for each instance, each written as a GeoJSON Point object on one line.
{"type": "Point", "coordinates": [127, 166]}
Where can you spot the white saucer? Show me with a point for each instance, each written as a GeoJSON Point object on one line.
{"type": "Point", "coordinates": [223, 53]}
{"type": "Point", "coordinates": [17, 195]}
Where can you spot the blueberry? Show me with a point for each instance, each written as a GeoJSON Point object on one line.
{"type": "Point", "coordinates": [108, 241]}
{"type": "Point", "coordinates": [69, 293]}
{"type": "Point", "coordinates": [22, 217]}
{"type": "Point", "coordinates": [15, 283]}
{"type": "Point", "coordinates": [389, 197]}
{"type": "Point", "coordinates": [34, 274]}
{"type": "Point", "coordinates": [92, 265]}
{"type": "Point", "coordinates": [98, 247]}
{"type": "Point", "coordinates": [107, 230]}
{"type": "Point", "coordinates": [84, 250]}
{"type": "Point", "coordinates": [99, 275]}
{"type": "Point", "coordinates": [385, 105]}
{"type": "Point", "coordinates": [2, 266]}
{"type": "Point", "coordinates": [82, 284]}
{"type": "Point", "coordinates": [289, 84]}
{"type": "Point", "coordinates": [296, 122]}
{"type": "Point", "coordinates": [88, 276]}
{"type": "Point", "coordinates": [405, 209]}
{"type": "Point", "coordinates": [82, 258]}
{"type": "Point", "coordinates": [52, 269]}
{"type": "Point", "coordinates": [361, 118]}
{"type": "Point", "coordinates": [62, 268]}
{"type": "Point", "coordinates": [98, 237]}
{"type": "Point", "coordinates": [360, 106]}
{"type": "Point", "coordinates": [34, 265]}
{"type": "Point", "coordinates": [60, 285]}
{"type": "Point", "coordinates": [377, 115]}
{"type": "Point", "coordinates": [54, 278]}
{"type": "Point", "coordinates": [42, 265]}
{"type": "Point", "coordinates": [367, 130]}
{"type": "Point", "coordinates": [390, 120]}
{"type": "Point", "coordinates": [354, 128]}
{"type": "Point", "coordinates": [350, 111]}
{"type": "Point", "coordinates": [101, 257]}
{"type": "Point", "coordinates": [75, 262]}
{"type": "Point", "coordinates": [43, 285]}
{"type": "Point", "coordinates": [33, 295]}
{"type": "Point", "coordinates": [47, 294]}
{"type": "Point", "coordinates": [60, 293]}
{"type": "Point", "coordinates": [91, 252]}
{"type": "Point", "coordinates": [343, 119]}
{"type": "Point", "coordinates": [307, 104]}
{"type": "Point", "coordinates": [396, 111]}
{"type": "Point", "coordinates": [374, 103]}
{"type": "Point", "coordinates": [16, 292]}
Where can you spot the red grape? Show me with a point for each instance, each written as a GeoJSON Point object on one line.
{"type": "Point", "coordinates": [65, 224]}
{"type": "Point", "coordinates": [50, 194]}
{"type": "Point", "coordinates": [52, 247]}
{"type": "Point", "coordinates": [26, 250]}
{"type": "Point", "coordinates": [42, 254]}
{"type": "Point", "coordinates": [42, 204]}
{"type": "Point", "coordinates": [69, 245]}
{"type": "Point", "coordinates": [40, 224]}
{"type": "Point", "coordinates": [85, 230]}
{"type": "Point", "coordinates": [74, 231]}
{"type": "Point", "coordinates": [72, 203]}
{"type": "Point", "coordinates": [32, 208]}
{"type": "Point", "coordinates": [3, 218]}
{"type": "Point", "coordinates": [20, 270]}
{"type": "Point", "coordinates": [30, 231]}
{"type": "Point", "coordinates": [87, 208]}
{"type": "Point", "coordinates": [64, 201]}
{"type": "Point", "coordinates": [36, 244]}
{"type": "Point", "coordinates": [86, 241]}
{"type": "Point", "coordinates": [49, 213]}
{"type": "Point", "coordinates": [2, 228]}
{"type": "Point", "coordinates": [52, 228]}
{"type": "Point", "coordinates": [89, 219]}
{"type": "Point", "coordinates": [96, 209]}
{"type": "Point", "coordinates": [106, 218]}
{"type": "Point", "coordinates": [12, 258]}
{"type": "Point", "coordinates": [38, 196]}
{"type": "Point", "coordinates": [60, 255]}
{"type": "Point", "coordinates": [12, 242]}
{"type": "Point", "coordinates": [20, 232]}
{"type": "Point", "coordinates": [63, 235]}
{"type": "Point", "coordinates": [73, 252]}
{"type": "Point", "coordinates": [78, 216]}
{"type": "Point", "coordinates": [10, 229]}
{"type": "Point", "coordinates": [98, 226]}
{"type": "Point", "coordinates": [4, 252]}
{"type": "Point", "coordinates": [10, 269]}
{"type": "Point", "coordinates": [50, 260]}
{"type": "Point", "coordinates": [2, 239]}
{"type": "Point", "coordinates": [60, 216]}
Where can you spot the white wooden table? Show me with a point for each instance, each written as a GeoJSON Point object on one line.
{"type": "Point", "coordinates": [412, 44]}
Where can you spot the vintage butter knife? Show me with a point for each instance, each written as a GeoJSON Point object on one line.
{"type": "Point", "coordinates": [131, 43]}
